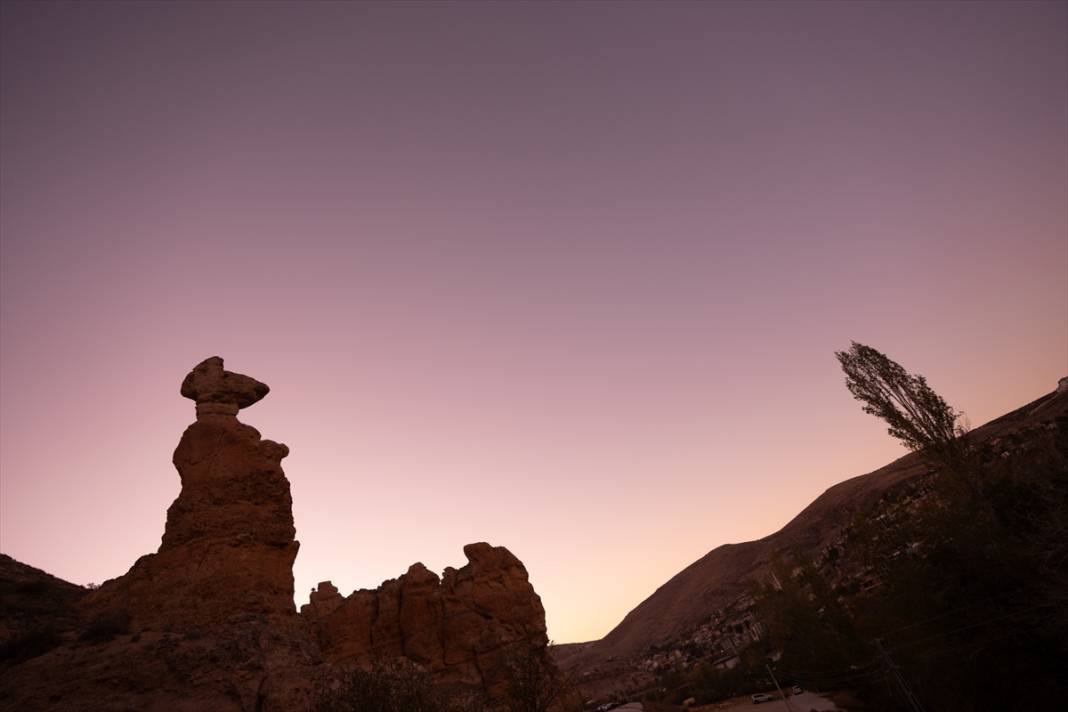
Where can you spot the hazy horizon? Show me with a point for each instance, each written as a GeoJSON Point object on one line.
{"type": "Point", "coordinates": [566, 278]}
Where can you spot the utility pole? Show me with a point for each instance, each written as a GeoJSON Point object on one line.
{"type": "Point", "coordinates": [892, 667]}
{"type": "Point", "coordinates": [789, 707]}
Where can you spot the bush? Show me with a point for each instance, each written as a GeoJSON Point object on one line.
{"type": "Point", "coordinates": [536, 684]}
{"type": "Point", "coordinates": [106, 626]}
{"type": "Point", "coordinates": [395, 687]}
{"type": "Point", "coordinates": [531, 682]}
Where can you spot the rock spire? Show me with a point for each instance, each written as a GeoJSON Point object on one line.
{"type": "Point", "coordinates": [228, 546]}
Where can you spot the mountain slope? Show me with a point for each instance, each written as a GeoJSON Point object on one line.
{"type": "Point", "coordinates": [720, 576]}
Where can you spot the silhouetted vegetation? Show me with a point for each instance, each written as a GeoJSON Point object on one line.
{"type": "Point", "coordinates": [385, 688]}
{"type": "Point", "coordinates": [106, 626]}
{"type": "Point", "coordinates": [970, 581]}
{"type": "Point", "coordinates": [534, 684]}
{"type": "Point", "coordinates": [915, 414]}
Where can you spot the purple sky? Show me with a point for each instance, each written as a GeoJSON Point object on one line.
{"type": "Point", "coordinates": [566, 278]}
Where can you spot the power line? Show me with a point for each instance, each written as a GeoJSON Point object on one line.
{"type": "Point", "coordinates": [946, 614]}
{"type": "Point", "coordinates": [914, 703]}
{"type": "Point", "coordinates": [833, 679]}
{"type": "Point", "coordinates": [819, 673]}
{"type": "Point", "coordinates": [789, 707]}
{"type": "Point", "coordinates": [978, 624]}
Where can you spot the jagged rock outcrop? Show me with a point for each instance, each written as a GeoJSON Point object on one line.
{"type": "Point", "coordinates": [324, 600]}
{"type": "Point", "coordinates": [462, 627]}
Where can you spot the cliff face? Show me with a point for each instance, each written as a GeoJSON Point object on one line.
{"type": "Point", "coordinates": [208, 622]}
{"type": "Point", "coordinates": [462, 627]}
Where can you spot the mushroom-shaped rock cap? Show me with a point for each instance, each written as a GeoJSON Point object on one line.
{"type": "Point", "coordinates": [209, 383]}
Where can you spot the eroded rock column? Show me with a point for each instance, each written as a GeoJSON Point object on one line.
{"type": "Point", "coordinates": [228, 547]}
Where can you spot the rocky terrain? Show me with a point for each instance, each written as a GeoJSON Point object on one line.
{"type": "Point", "coordinates": [34, 607]}
{"type": "Point", "coordinates": [208, 622]}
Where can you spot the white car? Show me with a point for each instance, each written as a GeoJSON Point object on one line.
{"type": "Point", "coordinates": [761, 697]}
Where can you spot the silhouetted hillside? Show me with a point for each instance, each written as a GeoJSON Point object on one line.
{"type": "Point", "coordinates": [723, 576]}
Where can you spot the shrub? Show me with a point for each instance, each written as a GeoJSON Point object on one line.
{"type": "Point", "coordinates": [396, 687]}
{"type": "Point", "coordinates": [106, 626]}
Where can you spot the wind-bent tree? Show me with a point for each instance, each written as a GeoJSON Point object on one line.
{"type": "Point", "coordinates": [917, 416]}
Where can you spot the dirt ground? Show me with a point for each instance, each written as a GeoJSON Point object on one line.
{"type": "Point", "coordinates": [805, 702]}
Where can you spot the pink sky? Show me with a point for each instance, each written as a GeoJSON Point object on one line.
{"type": "Point", "coordinates": [564, 278]}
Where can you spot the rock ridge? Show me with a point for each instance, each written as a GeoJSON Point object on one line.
{"type": "Point", "coordinates": [461, 626]}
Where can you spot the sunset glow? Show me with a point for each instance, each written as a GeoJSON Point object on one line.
{"type": "Point", "coordinates": [566, 278]}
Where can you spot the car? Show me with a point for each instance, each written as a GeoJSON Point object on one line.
{"type": "Point", "coordinates": [761, 697]}
{"type": "Point", "coordinates": [796, 690]}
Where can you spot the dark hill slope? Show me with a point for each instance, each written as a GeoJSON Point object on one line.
{"type": "Point", "coordinates": [36, 608]}
{"type": "Point", "coordinates": [719, 577]}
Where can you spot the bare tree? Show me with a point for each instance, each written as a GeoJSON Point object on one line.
{"type": "Point", "coordinates": [535, 683]}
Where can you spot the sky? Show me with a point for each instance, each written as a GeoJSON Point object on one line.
{"type": "Point", "coordinates": [567, 278]}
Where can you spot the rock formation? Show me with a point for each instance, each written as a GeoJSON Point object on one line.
{"type": "Point", "coordinates": [208, 622]}
{"type": "Point", "coordinates": [228, 547]}
{"type": "Point", "coordinates": [462, 628]}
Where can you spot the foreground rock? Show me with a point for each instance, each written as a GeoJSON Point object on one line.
{"type": "Point", "coordinates": [208, 623]}
{"type": "Point", "coordinates": [463, 628]}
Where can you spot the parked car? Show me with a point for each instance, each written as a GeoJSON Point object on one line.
{"type": "Point", "coordinates": [796, 690]}
{"type": "Point", "coordinates": [761, 697]}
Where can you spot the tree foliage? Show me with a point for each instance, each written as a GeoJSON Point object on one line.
{"type": "Point", "coordinates": [964, 586]}
{"type": "Point", "coordinates": [915, 414]}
